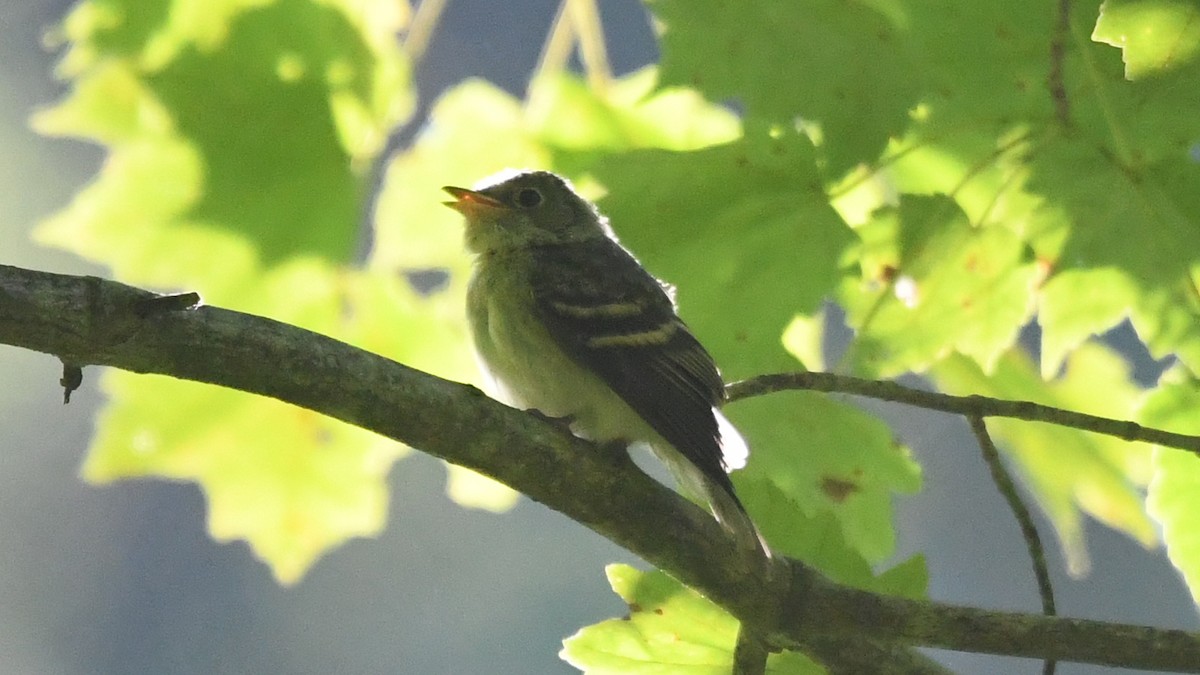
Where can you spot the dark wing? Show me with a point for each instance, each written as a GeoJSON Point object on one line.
{"type": "Point", "coordinates": [615, 319]}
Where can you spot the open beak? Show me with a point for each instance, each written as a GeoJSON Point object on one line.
{"type": "Point", "coordinates": [467, 201]}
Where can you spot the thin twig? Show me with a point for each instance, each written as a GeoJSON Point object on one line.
{"type": "Point", "coordinates": [557, 49]}
{"type": "Point", "coordinates": [982, 406]}
{"type": "Point", "coordinates": [1033, 542]}
{"type": "Point", "coordinates": [1058, 51]}
{"type": "Point", "coordinates": [424, 21]}
{"type": "Point", "coordinates": [556, 52]}
{"type": "Point", "coordinates": [577, 23]}
{"type": "Point", "coordinates": [590, 30]}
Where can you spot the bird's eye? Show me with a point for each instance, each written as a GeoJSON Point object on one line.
{"type": "Point", "coordinates": [528, 198]}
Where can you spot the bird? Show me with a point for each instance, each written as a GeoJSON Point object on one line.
{"type": "Point", "coordinates": [568, 323]}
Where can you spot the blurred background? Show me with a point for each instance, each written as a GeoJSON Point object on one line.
{"type": "Point", "coordinates": [124, 579]}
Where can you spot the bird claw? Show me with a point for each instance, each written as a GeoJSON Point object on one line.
{"type": "Point", "coordinates": [617, 447]}
{"type": "Point", "coordinates": [560, 422]}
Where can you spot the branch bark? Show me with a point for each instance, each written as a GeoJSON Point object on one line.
{"type": "Point", "coordinates": [970, 406]}
{"type": "Point", "coordinates": [90, 321]}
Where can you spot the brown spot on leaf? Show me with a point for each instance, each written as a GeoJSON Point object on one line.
{"type": "Point", "coordinates": [838, 489]}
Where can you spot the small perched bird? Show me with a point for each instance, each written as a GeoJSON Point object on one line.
{"type": "Point", "coordinates": [567, 322]}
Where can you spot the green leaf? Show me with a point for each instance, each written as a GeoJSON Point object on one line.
{"type": "Point", "coordinates": [1167, 319]}
{"type": "Point", "coordinates": [1101, 199]}
{"type": "Point", "coordinates": [140, 232]}
{"type": "Point", "coordinates": [1143, 220]}
{"type": "Point", "coordinates": [1077, 304]}
{"type": "Point", "coordinates": [1173, 499]}
{"type": "Point", "coordinates": [818, 540]}
{"type": "Point", "coordinates": [932, 284]}
{"type": "Point", "coordinates": [670, 628]}
{"type": "Point", "coordinates": [826, 458]}
{"type": "Point", "coordinates": [984, 63]}
{"type": "Point", "coordinates": [1153, 35]}
{"type": "Point", "coordinates": [223, 84]}
{"type": "Point", "coordinates": [290, 482]}
{"type": "Point", "coordinates": [1069, 472]}
{"type": "Point", "coordinates": [804, 339]}
{"type": "Point", "coordinates": [847, 67]}
{"type": "Point", "coordinates": [286, 64]}
{"type": "Point", "coordinates": [97, 30]}
{"type": "Point", "coordinates": [628, 113]}
{"type": "Point", "coordinates": [1124, 179]}
{"type": "Point", "coordinates": [237, 134]}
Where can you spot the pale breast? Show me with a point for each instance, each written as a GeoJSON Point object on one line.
{"type": "Point", "coordinates": [526, 366]}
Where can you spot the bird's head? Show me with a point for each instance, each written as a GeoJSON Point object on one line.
{"type": "Point", "coordinates": [519, 210]}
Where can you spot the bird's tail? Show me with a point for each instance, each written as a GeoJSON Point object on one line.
{"type": "Point", "coordinates": [723, 501]}
{"type": "Point", "coordinates": [730, 513]}
{"type": "Point", "coordinates": [717, 490]}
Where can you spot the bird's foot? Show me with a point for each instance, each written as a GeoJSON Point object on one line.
{"type": "Point", "coordinates": [560, 422]}
{"type": "Point", "coordinates": [616, 449]}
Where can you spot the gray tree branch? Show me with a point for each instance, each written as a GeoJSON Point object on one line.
{"type": "Point", "coordinates": [969, 406]}
{"type": "Point", "coordinates": [89, 321]}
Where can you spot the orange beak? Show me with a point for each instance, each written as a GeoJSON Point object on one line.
{"type": "Point", "coordinates": [467, 201]}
